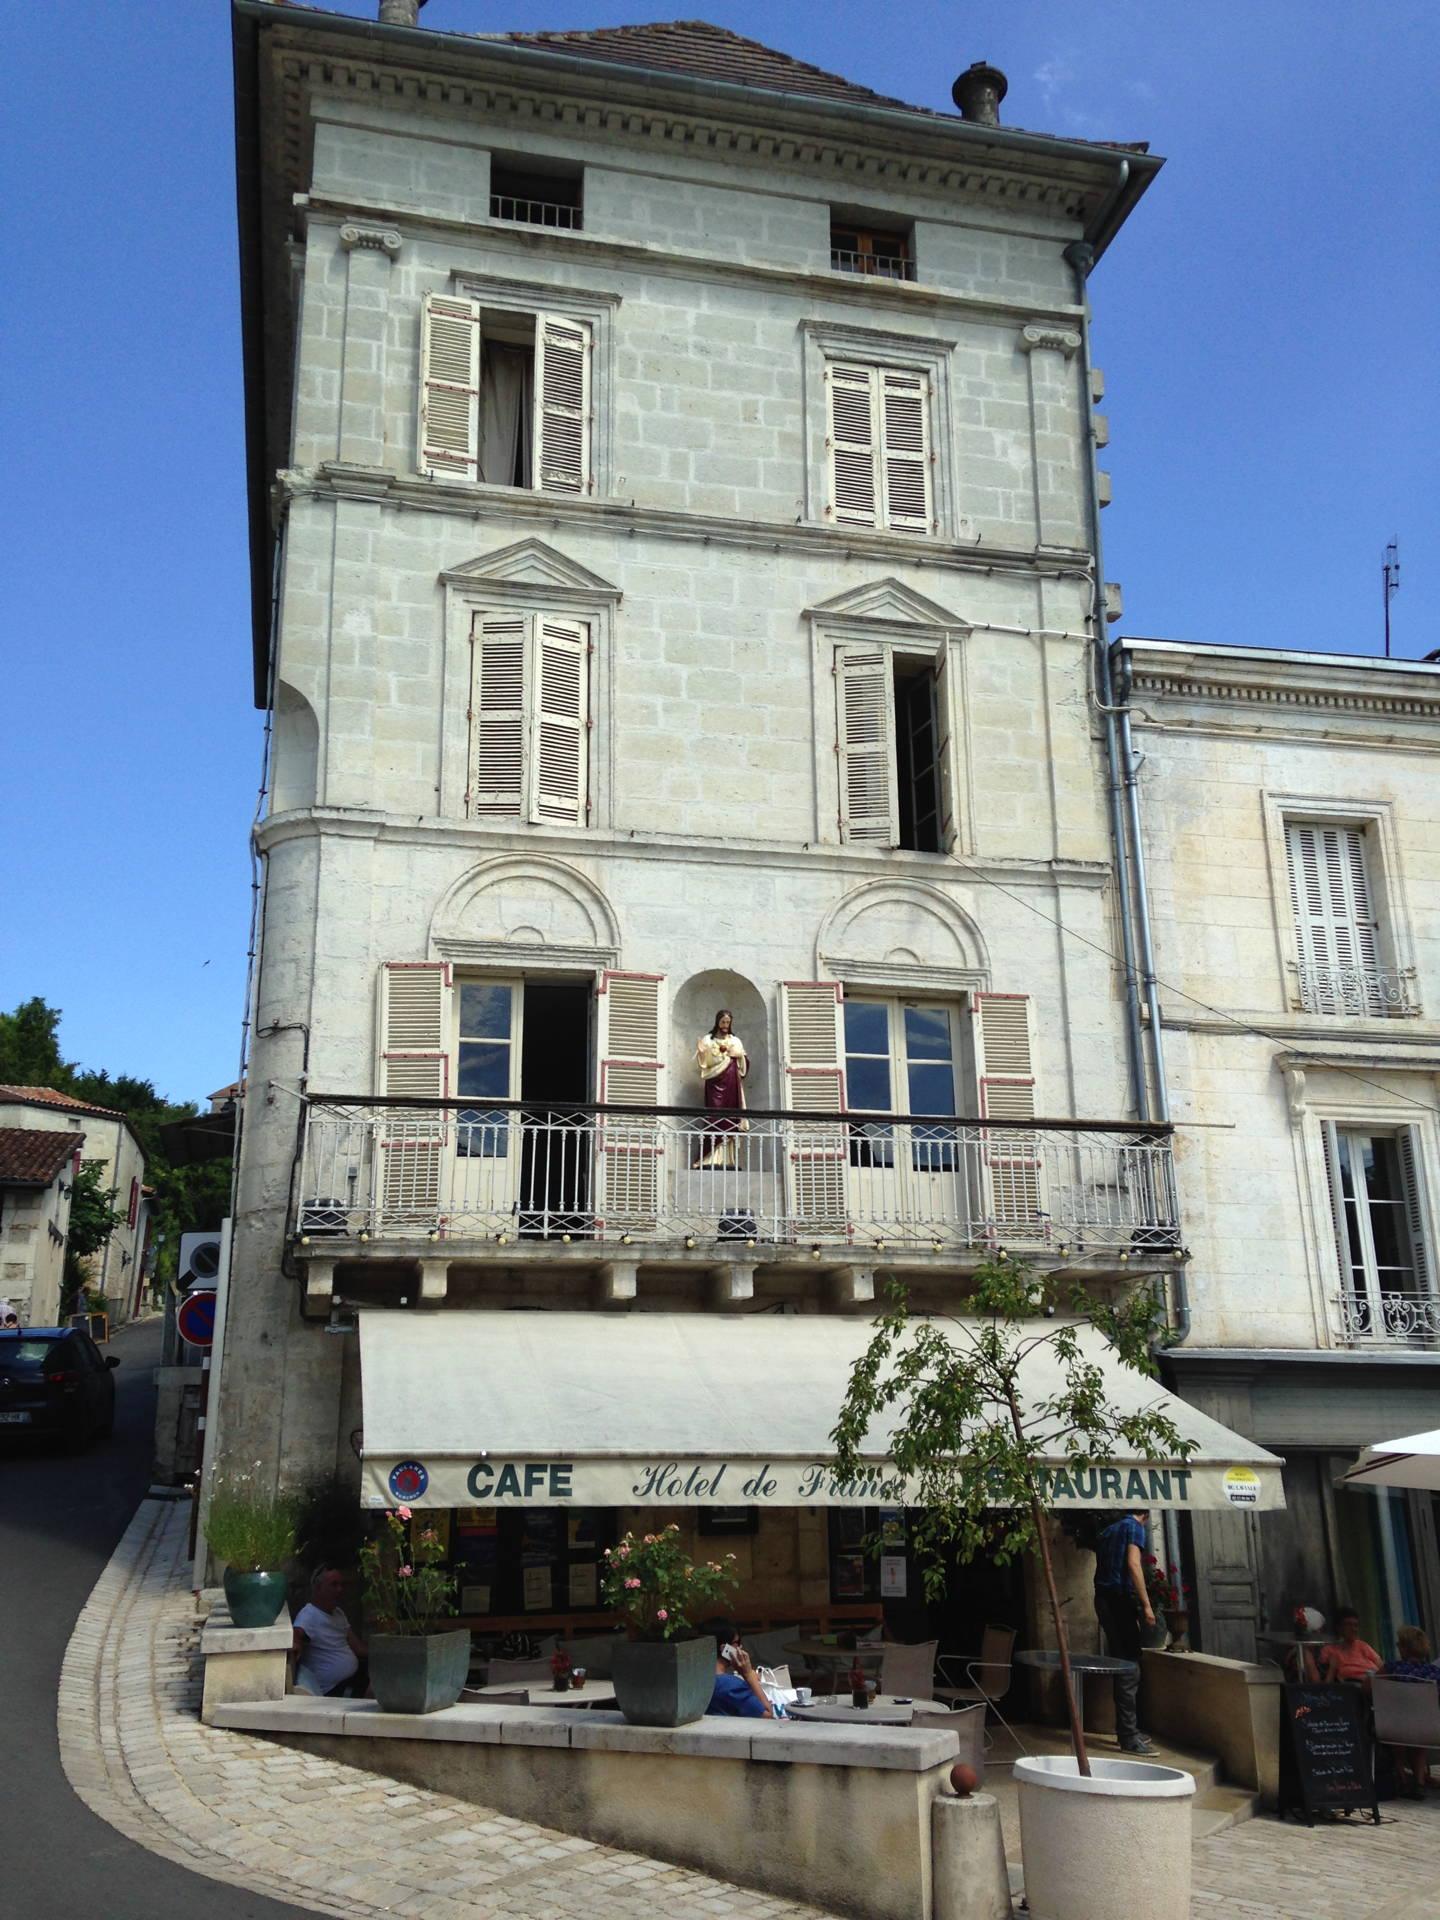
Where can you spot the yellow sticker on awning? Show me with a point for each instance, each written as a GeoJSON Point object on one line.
{"type": "Point", "coordinates": [1242, 1487]}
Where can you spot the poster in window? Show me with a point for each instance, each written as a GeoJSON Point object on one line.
{"type": "Point", "coordinates": [849, 1581]}
{"type": "Point", "coordinates": [537, 1588]}
{"type": "Point", "coordinates": [892, 1529]}
{"type": "Point", "coordinates": [474, 1599]}
{"type": "Point", "coordinates": [580, 1530]}
{"type": "Point", "coordinates": [892, 1576]}
{"type": "Point", "coordinates": [584, 1584]}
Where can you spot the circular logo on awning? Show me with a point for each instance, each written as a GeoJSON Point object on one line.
{"type": "Point", "coordinates": [408, 1480]}
{"type": "Point", "coordinates": [1242, 1487]}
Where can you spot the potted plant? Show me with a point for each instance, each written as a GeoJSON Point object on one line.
{"type": "Point", "coordinates": [1169, 1595]}
{"type": "Point", "coordinates": [973, 1447]}
{"type": "Point", "coordinates": [560, 1665]}
{"type": "Point", "coordinates": [417, 1665]}
{"type": "Point", "coordinates": [254, 1534]}
{"type": "Point", "coordinates": [663, 1676]}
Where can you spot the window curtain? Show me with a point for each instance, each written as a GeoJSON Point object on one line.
{"type": "Point", "coordinates": [507, 381]}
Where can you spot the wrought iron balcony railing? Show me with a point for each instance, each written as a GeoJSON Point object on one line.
{"type": "Point", "coordinates": [1390, 1319]}
{"type": "Point", "coordinates": [878, 265]}
{"type": "Point", "coordinates": [1374, 993]}
{"type": "Point", "coordinates": [514, 1171]}
{"type": "Point", "coordinates": [535, 213]}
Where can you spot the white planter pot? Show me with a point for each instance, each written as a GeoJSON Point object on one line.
{"type": "Point", "coordinates": [1116, 1843]}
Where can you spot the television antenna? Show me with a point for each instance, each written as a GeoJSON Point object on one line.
{"type": "Point", "coordinates": [1390, 571]}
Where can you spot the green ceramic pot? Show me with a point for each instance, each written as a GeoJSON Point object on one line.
{"type": "Point", "coordinates": [255, 1599]}
{"type": "Point", "coordinates": [663, 1683]}
{"type": "Point", "coordinates": [418, 1672]}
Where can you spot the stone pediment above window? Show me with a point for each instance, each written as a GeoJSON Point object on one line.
{"type": "Point", "coordinates": [529, 568]}
{"type": "Point", "coordinates": [888, 602]}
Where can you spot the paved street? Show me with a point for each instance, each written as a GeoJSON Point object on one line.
{"type": "Point", "coordinates": [61, 1514]}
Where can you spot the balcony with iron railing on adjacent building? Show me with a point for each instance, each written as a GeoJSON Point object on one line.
{"type": "Point", "coordinates": [458, 1184]}
{"type": "Point", "coordinates": [1369, 993]}
{"type": "Point", "coordinates": [1388, 1319]}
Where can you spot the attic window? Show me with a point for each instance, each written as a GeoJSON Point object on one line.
{"type": "Point", "coordinates": [535, 197]}
{"type": "Point", "coordinates": [884, 255]}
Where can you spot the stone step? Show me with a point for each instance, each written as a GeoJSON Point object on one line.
{"type": "Point", "coordinates": [1216, 1808]}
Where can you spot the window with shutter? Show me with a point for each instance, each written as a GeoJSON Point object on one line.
{"type": "Point", "coordinates": [1412, 1200]}
{"type": "Point", "coordinates": [1014, 1199]}
{"type": "Point", "coordinates": [905, 414]}
{"type": "Point", "coordinates": [414, 1065]}
{"type": "Point", "coordinates": [562, 404]}
{"type": "Point", "coordinates": [629, 1151]}
{"type": "Point", "coordinates": [944, 752]}
{"type": "Point", "coordinates": [1335, 926]}
{"type": "Point", "coordinates": [869, 804]}
{"type": "Point", "coordinates": [879, 447]}
{"type": "Point", "coordinates": [1382, 1232]}
{"type": "Point", "coordinates": [854, 495]}
{"type": "Point", "coordinates": [497, 717]}
{"type": "Point", "coordinates": [814, 1056]}
{"type": "Point", "coordinates": [561, 720]}
{"type": "Point", "coordinates": [449, 428]}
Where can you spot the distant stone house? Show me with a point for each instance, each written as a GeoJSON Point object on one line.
{"type": "Point", "coordinates": [37, 1176]}
{"type": "Point", "coordinates": [116, 1269]}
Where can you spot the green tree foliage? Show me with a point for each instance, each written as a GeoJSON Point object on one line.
{"type": "Point", "coordinates": [93, 1218]}
{"type": "Point", "coordinates": [974, 1443]}
{"type": "Point", "coordinates": [185, 1197]}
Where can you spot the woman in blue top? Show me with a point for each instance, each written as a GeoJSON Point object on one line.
{"type": "Point", "coordinates": [737, 1686]}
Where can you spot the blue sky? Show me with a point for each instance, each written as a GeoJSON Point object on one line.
{"type": "Point", "coordinates": [1266, 323]}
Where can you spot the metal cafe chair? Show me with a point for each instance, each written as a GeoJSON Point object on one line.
{"type": "Point", "coordinates": [986, 1676]}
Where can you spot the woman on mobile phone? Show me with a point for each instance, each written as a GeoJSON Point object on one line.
{"type": "Point", "coordinates": [738, 1691]}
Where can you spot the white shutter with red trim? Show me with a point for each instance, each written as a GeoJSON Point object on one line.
{"type": "Point", "coordinates": [560, 756]}
{"type": "Point", "coordinates": [563, 460]}
{"type": "Point", "coordinates": [813, 1050]}
{"type": "Point", "coordinates": [905, 465]}
{"type": "Point", "coordinates": [852, 441]}
{"type": "Point", "coordinates": [448, 438]}
{"type": "Point", "coordinates": [865, 745]}
{"type": "Point", "coordinates": [499, 655]}
{"type": "Point", "coordinates": [414, 1065]}
{"type": "Point", "coordinates": [1013, 1197]}
{"type": "Point", "coordinates": [631, 1075]}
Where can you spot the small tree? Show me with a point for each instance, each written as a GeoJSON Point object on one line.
{"type": "Point", "coordinates": [974, 1444]}
{"type": "Point", "coordinates": [93, 1218]}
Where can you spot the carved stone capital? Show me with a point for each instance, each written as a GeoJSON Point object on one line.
{"type": "Point", "coordinates": [384, 240]}
{"type": "Point", "coordinates": [1056, 339]}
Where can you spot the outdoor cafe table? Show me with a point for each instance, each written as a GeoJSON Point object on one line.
{"type": "Point", "coordinates": [1048, 1660]}
{"type": "Point", "coordinates": [837, 1657]}
{"type": "Point", "coordinates": [594, 1693]}
{"type": "Point", "coordinates": [884, 1710]}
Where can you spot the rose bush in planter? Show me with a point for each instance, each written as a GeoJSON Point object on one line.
{"type": "Point", "coordinates": [254, 1534]}
{"type": "Point", "coordinates": [416, 1664]}
{"type": "Point", "coordinates": [663, 1675]}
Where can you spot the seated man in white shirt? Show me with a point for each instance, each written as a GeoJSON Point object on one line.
{"type": "Point", "coordinates": [328, 1651]}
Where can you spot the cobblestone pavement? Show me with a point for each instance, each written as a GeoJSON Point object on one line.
{"type": "Point", "coordinates": [341, 1841]}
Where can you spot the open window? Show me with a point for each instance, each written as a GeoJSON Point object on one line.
{"type": "Point", "coordinates": [1382, 1230]}
{"type": "Point", "coordinates": [505, 396]}
{"type": "Point", "coordinates": [529, 190]}
{"type": "Point", "coordinates": [894, 739]}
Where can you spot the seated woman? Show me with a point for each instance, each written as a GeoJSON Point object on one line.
{"type": "Point", "coordinates": [1412, 1764]}
{"type": "Point", "coordinates": [1349, 1657]}
{"type": "Point", "coordinates": [738, 1691]}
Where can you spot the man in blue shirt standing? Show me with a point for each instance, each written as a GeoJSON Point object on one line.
{"type": "Point", "coordinates": [1121, 1603]}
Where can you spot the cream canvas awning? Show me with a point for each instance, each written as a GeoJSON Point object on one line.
{"type": "Point", "coordinates": [676, 1410]}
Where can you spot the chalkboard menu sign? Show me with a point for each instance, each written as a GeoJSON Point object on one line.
{"type": "Point", "coordinates": [1325, 1756]}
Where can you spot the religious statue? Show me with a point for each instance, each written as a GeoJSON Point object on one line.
{"type": "Point", "coordinates": [720, 1056]}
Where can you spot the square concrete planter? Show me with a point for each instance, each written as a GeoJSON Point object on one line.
{"type": "Point", "coordinates": [663, 1683]}
{"type": "Point", "coordinates": [418, 1672]}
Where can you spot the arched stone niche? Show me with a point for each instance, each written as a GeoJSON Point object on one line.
{"type": "Point", "coordinates": [296, 750]}
{"type": "Point", "coordinates": [902, 933]}
{"type": "Point", "coordinates": [522, 908]}
{"type": "Point", "coordinates": [693, 1007]}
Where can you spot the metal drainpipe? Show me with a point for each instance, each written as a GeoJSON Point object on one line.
{"type": "Point", "coordinates": [1081, 257]}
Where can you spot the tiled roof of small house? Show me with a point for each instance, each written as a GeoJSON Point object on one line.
{"type": "Point", "coordinates": [32, 1156]}
{"type": "Point", "coordinates": [51, 1097]}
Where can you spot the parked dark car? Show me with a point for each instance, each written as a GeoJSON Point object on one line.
{"type": "Point", "coordinates": [55, 1380]}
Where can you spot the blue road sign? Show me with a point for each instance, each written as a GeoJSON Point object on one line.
{"type": "Point", "coordinates": [195, 1318]}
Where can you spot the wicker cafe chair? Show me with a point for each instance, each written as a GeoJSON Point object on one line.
{"type": "Point", "coordinates": [987, 1676]}
{"type": "Point", "coordinates": [909, 1670]}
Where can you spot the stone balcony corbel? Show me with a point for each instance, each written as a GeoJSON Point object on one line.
{"type": "Point", "coordinates": [732, 1283]}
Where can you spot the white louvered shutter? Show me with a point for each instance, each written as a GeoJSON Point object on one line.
{"type": "Point", "coordinates": [631, 1075]}
{"type": "Point", "coordinates": [1005, 1088]}
{"type": "Point", "coordinates": [865, 743]}
{"type": "Point", "coordinates": [944, 749]}
{"type": "Point", "coordinates": [905, 422]}
{"type": "Point", "coordinates": [1335, 1192]}
{"type": "Point", "coordinates": [563, 353]}
{"type": "Point", "coordinates": [414, 1065]}
{"type": "Point", "coordinates": [498, 707]}
{"type": "Point", "coordinates": [560, 755]}
{"type": "Point", "coordinates": [853, 444]}
{"type": "Point", "coordinates": [814, 1061]}
{"type": "Point", "coordinates": [449, 430]}
{"type": "Point", "coordinates": [1335, 925]}
{"type": "Point", "coordinates": [1412, 1195]}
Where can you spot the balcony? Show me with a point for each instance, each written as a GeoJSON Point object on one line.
{"type": "Point", "coordinates": [456, 1181]}
{"type": "Point", "coordinates": [535, 213]}
{"type": "Point", "coordinates": [1388, 1319]}
{"type": "Point", "coordinates": [1371, 993]}
{"type": "Point", "coordinates": [877, 266]}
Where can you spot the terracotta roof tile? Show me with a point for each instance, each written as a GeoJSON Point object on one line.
{"type": "Point", "coordinates": [706, 52]}
{"type": "Point", "coordinates": [50, 1097]}
{"type": "Point", "coordinates": [32, 1156]}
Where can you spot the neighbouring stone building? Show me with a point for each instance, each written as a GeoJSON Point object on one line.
{"type": "Point", "coordinates": [117, 1270]}
{"type": "Point", "coordinates": [37, 1174]}
{"type": "Point", "coordinates": [1294, 867]}
{"type": "Point", "coordinates": [677, 587]}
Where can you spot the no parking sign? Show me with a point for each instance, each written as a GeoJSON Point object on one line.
{"type": "Point", "coordinates": [195, 1317]}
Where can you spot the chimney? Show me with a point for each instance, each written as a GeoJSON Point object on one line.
{"type": "Point", "coordinates": [400, 13]}
{"type": "Point", "coordinates": [978, 93]}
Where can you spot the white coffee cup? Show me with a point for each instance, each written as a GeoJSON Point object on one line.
{"type": "Point", "coordinates": [803, 1696]}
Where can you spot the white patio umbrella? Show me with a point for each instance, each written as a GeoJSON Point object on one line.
{"type": "Point", "coordinates": [1411, 1462]}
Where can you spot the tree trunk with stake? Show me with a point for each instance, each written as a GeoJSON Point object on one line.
{"type": "Point", "coordinates": [1062, 1638]}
